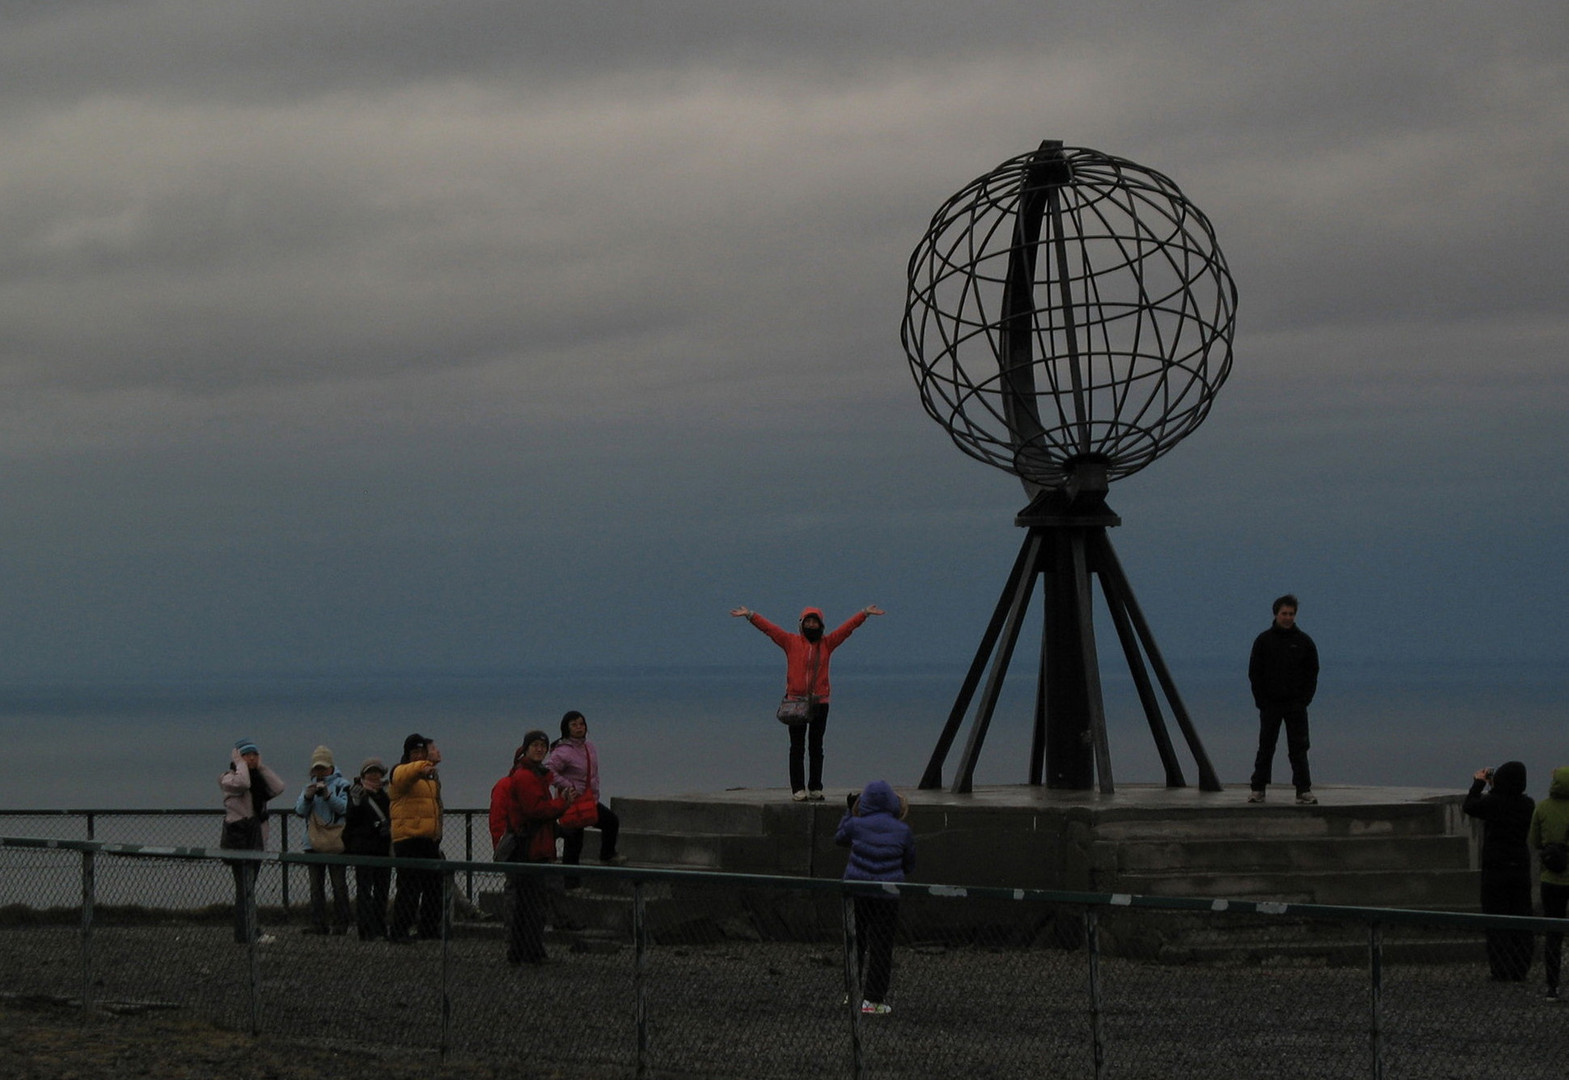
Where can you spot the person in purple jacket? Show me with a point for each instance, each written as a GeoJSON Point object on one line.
{"type": "Point", "coordinates": [882, 848]}
{"type": "Point", "coordinates": [575, 762]}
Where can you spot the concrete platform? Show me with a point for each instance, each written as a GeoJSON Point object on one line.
{"type": "Point", "coordinates": [1127, 796]}
{"type": "Point", "coordinates": [1367, 846]}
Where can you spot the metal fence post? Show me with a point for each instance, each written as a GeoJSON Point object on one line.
{"type": "Point", "coordinates": [645, 1065]}
{"type": "Point", "coordinates": [89, 890]}
{"type": "Point", "coordinates": [1375, 965]}
{"type": "Point", "coordinates": [468, 851]}
{"type": "Point", "coordinates": [852, 985]}
{"type": "Point", "coordinates": [283, 867]}
{"type": "Point", "coordinates": [1097, 1031]}
{"type": "Point", "coordinates": [446, 962]}
{"type": "Point", "coordinates": [248, 872]}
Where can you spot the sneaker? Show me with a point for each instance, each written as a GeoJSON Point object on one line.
{"type": "Point", "coordinates": [265, 939]}
{"type": "Point", "coordinates": [1255, 796]}
{"type": "Point", "coordinates": [816, 794]}
{"type": "Point", "coordinates": [875, 1008]}
{"type": "Point", "coordinates": [799, 796]}
{"type": "Point", "coordinates": [1306, 798]}
{"type": "Point", "coordinates": [614, 860]}
{"type": "Point", "coordinates": [1552, 993]}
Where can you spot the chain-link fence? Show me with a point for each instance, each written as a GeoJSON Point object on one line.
{"type": "Point", "coordinates": [657, 973]}
{"type": "Point", "coordinates": [463, 829]}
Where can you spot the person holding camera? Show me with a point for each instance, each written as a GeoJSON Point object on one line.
{"type": "Point", "coordinates": [1498, 800]}
{"type": "Point", "coordinates": [323, 803]}
{"type": "Point", "coordinates": [367, 830]}
{"type": "Point", "coordinates": [1549, 837]}
{"type": "Point", "coordinates": [882, 848]}
{"type": "Point", "coordinates": [415, 798]}
{"type": "Point", "coordinates": [247, 787]}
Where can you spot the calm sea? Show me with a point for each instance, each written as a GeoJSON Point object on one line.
{"type": "Point", "coordinates": [668, 731]}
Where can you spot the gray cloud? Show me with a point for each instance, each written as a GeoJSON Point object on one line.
{"type": "Point", "coordinates": [342, 334]}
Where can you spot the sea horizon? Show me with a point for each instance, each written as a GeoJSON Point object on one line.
{"type": "Point", "coordinates": [162, 742]}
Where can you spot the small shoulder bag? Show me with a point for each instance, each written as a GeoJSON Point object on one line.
{"type": "Point", "coordinates": [798, 710]}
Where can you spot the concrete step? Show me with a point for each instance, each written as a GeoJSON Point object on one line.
{"type": "Point", "coordinates": [1286, 941]}
{"type": "Point", "coordinates": [675, 815]}
{"type": "Point", "coordinates": [1285, 819]}
{"type": "Point", "coordinates": [1285, 854]}
{"type": "Point", "coordinates": [1332, 944]}
{"type": "Point", "coordinates": [679, 914]}
{"type": "Point", "coordinates": [734, 853]}
{"type": "Point", "coordinates": [1283, 950]}
{"type": "Point", "coordinates": [1428, 890]}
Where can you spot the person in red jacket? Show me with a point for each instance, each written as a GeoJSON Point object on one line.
{"type": "Point", "coordinates": [522, 806]}
{"type": "Point", "coordinates": [806, 677]}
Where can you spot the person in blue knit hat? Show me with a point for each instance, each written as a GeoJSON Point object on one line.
{"type": "Point", "coordinates": [247, 785]}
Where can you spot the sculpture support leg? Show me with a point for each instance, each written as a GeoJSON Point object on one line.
{"type": "Point", "coordinates": [1070, 741]}
{"type": "Point", "coordinates": [1208, 781]}
{"type": "Point", "coordinates": [931, 779]}
{"type": "Point", "coordinates": [1070, 746]}
{"type": "Point", "coordinates": [964, 776]}
{"type": "Point", "coordinates": [1038, 732]}
{"type": "Point", "coordinates": [1114, 586]}
{"type": "Point", "coordinates": [1097, 706]}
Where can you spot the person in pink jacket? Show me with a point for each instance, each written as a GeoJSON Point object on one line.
{"type": "Point", "coordinates": [574, 761]}
{"type": "Point", "coordinates": [806, 677]}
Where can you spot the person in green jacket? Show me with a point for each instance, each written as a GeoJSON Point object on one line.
{"type": "Point", "coordinates": [1550, 825]}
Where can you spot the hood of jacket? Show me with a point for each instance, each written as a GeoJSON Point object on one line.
{"type": "Point", "coordinates": [1560, 785]}
{"type": "Point", "coordinates": [878, 797]}
{"type": "Point", "coordinates": [811, 611]}
{"type": "Point", "coordinates": [1509, 778]}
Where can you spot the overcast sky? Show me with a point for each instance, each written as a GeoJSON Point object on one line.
{"type": "Point", "coordinates": [399, 335]}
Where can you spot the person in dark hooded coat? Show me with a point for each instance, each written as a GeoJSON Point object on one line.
{"type": "Point", "coordinates": [1498, 800]}
{"type": "Point", "coordinates": [806, 678]}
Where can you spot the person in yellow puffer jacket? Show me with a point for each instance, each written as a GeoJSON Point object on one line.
{"type": "Point", "coordinates": [414, 790]}
{"type": "Point", "coordinates": [1550, 825]}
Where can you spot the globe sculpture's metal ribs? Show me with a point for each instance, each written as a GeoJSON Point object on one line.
{"type": "Point", "coordinates": [1069, 320]}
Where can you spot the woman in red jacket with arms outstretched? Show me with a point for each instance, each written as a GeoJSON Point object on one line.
{"type": "Point", "coordinates": [806, 677]}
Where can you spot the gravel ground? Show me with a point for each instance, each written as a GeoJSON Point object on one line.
{"type": "Point", "coordinates": [43, 1040]}
{"type": "Point", "coordinates": [171, 1000]}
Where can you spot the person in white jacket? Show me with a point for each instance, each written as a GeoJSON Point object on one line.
{"type": "Point", "coordinates": [247, 785]}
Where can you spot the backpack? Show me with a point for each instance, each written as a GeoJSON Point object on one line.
{"type": "Point", "coordinates": [1555, 857]}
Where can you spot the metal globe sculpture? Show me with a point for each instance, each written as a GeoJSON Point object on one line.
{"type": "Point", "coordinates": [1069, 319]}
{"type": "Point", "coordinates": [1069, 308]}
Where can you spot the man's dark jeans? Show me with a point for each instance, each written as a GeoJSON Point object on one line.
{"type": "Point", "coordinates": [418, 901]}
{"type": "Point", "coordinates": [1270, 717]}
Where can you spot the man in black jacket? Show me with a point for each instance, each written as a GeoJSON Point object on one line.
{"type": "Point", "coordinates": [1283, 671]}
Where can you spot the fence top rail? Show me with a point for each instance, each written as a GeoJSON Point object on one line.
{"type": "Point", "coordinates": [194, 811]}
{"type": "Point", "coordinates": [1366, 915]}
